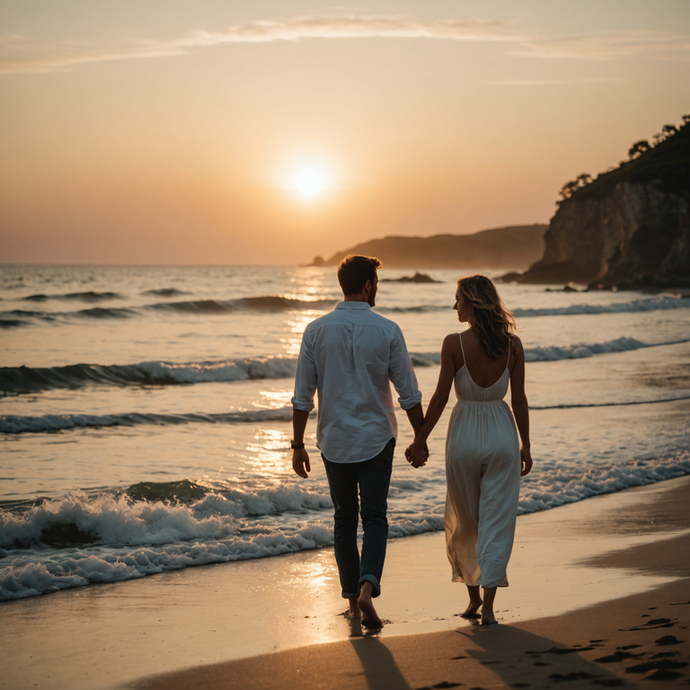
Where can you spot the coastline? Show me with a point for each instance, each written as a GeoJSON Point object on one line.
{"type": "Point", "coordinates": [600, 564]}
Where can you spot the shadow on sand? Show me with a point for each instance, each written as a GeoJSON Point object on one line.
{"type": "Point", "coordinates": [522, 659]}
{"type": "Point", "coordinates": [379, 666]}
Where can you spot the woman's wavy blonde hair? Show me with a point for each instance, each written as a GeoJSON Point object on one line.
{"type": "Point", "coordinates": [491, 322]}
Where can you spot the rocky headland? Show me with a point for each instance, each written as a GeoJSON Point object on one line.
{"type": "Point", "coordinates": [627, 229]}
{"type": "Point", "coordinates": [515, 247]}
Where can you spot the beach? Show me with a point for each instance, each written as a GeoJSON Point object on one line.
{"type": "Point", "coordinates": [183, 184]}
{"type": "Point", "coordinates": [592, 578]}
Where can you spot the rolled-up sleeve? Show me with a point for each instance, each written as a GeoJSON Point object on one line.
{"type": "Point", "coordinates": [305, 378]}
{"type": "Point", "coordinates": [402, 374]}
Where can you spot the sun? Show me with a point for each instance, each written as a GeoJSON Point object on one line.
{"type": "Point", "coordinates": [309, 182]}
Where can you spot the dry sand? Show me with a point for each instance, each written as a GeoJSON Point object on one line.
{"type": "Point", "coordinates": [590, 579]}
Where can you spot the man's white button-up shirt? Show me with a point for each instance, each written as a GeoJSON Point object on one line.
{"type": "Point", "coordinates": [350, 357]}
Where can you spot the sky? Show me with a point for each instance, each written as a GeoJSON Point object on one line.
{"type": "Point", "coordinates": [173, 131]}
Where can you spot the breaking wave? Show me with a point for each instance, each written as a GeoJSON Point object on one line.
{"type": "Point", "coordinates": [270, 303]}
{"type": "Point", "coordinates": [15, 380]}
{"type": "Point", "coordinates": [165, 292]}
{"type": "Point", "coordinates": [279, 303]}
{"type": "Point", "coordinates": [150, 527]}
{"type": "Point", "coordinates": [89, 296]}
{"type": "Point", "coordinates": [14, 424]}
{"type": "Point", "coordinates": [657, 303]}
{"type": "Point", "coordinates": [111, 538]}
{"type": "Point", "coordinates": [555, 353]}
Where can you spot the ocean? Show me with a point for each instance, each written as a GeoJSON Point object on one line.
{"type": "Point", "coordinates": [145, 411]}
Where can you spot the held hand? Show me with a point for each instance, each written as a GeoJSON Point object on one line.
{"type": "Point", "coordinates": [300, 462]}
{"type": "Point", "coordinates": [525, 462]}
{"type": "Point", "coordinates": [416, 447]}
{"type": "Point", "coordinates": [417, 454]}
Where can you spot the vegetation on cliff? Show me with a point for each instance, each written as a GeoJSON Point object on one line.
{"type": "Point", "coordinates": [627, 228]}
{"type": "Point", "coordinates": [666, 159]}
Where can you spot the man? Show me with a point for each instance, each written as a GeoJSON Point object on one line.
{"type": "Point", "coordinates": [350, 356]}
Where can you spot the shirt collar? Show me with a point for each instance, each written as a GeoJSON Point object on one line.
{"type": "Point", "coordinates": [353, 305]}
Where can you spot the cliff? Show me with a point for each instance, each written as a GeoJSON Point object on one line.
{"type": "Point", "coordinates": [629, 228]}
{"type": "Point", "coordinates": [501, 248]}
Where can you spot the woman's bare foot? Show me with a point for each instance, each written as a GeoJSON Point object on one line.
{"type": "Point", "coordinates": [472, 610]}
{"type": "Point", "coordinates": [488, 618]}
{"type": "Point", "coordinates": [370, 618]}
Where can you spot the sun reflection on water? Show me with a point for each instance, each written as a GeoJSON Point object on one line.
{"type": "Point", "coordinates": [275, 399]}
{"type": "Point", "coordinates": [296, 326]}
{"type": "Point", "coordinates": [266, 454]}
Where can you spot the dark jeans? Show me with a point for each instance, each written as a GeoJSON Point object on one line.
{"type": "Point", "coordinates": [373, 479]}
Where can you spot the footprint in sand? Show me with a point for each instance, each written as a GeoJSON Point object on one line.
{"type": "Point", "coordinates": [651, 625]}
{"type": "Point", "coordinates": [618, 656]}
{"type": "Point", "coordinates": [657, 665]}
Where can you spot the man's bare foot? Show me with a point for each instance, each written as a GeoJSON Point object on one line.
{"type": "Point", "coordinates": [353, 613]}
{"type": "Point", "coordinates": [370, 618]}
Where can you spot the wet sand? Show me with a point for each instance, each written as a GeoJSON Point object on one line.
{"type": "Point", "coordinates": [590, 579]}
{"type": "Point", "coordinates": [639, 640]}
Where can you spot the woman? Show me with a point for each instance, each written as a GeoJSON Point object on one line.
{"type": "Point", "coordinates": [484, 461]}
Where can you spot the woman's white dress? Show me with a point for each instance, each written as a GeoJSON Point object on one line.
{"type": "Point", "coordinates": [483, 481]}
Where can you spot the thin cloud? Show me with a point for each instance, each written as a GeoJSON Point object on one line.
{"type": "Point", "coordinates": [63, 63]}
{"type": "Point", "coordinates": [552, 82]}
{"type": "Point", "coordinates": [354, 26]}
{"type": "Point", "coordinates": [601, 46]}
{"type": "Point", "coordinates": [14, 38]}
{"type": "Point", "coordinates": [610, 46]}
{"type": "Point", "coordinates": [324, 27]}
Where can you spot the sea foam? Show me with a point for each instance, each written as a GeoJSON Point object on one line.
{"type": "Point", "coordinates": [110, 538]}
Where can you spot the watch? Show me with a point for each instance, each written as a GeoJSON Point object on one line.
{"type": "Point", "coordinates": [296, 446]}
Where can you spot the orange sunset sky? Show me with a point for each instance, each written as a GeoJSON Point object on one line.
{"type": "Point", "coordinates": [172, 131]}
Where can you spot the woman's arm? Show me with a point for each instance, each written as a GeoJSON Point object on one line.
{"type": "Point", "coordinates": [449, 367]}
{"type": "Point", "coordinates": [518, 401]}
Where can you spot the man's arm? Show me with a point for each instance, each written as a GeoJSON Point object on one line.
{"type": "Point", "coordinates": [416, 416]}
{"type": "Point", "coordinates": [300, 457]}
{"type": "Point", "coordinates": [418, 451]}
{"type": "Point", "coordinates": [303, 404]}
{"type": "Point", "coordinates": [401, 374]}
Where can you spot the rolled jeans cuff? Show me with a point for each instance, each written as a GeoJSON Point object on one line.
{"type": "Point", "coordinates": [374, 582]}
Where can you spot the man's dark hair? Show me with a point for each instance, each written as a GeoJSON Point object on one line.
{"type": "Point", "coordinates": [354, 271]}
